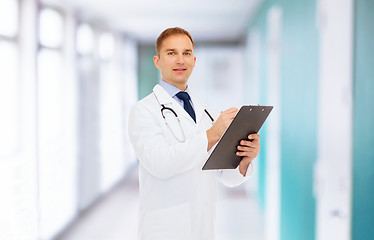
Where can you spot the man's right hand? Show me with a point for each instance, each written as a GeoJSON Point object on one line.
{"type": "Point", "coordinates": [220, 126]}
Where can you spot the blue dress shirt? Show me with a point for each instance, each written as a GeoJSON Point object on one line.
{"type": "Point", "coordinates": [173, 90]}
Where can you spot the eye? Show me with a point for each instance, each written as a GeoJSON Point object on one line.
{"type": "Point", "coordinates": [170, 53]}
{"type": "Point", "coordinates": [187, 53]}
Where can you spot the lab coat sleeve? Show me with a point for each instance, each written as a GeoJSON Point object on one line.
{"type": "Point", "coordinates": [160, 158]}
{"type": "Point", "coordinates": [232, 177]}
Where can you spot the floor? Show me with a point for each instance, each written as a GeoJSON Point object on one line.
{"type": "Point", "coordinates": [114, 217]}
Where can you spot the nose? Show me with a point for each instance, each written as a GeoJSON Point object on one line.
{"type": "Point", "coordinates": [180, 59]}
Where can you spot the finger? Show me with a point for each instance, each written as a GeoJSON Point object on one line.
{"type": "Point", "coordinates": [247, 143]}
{"type": "Point", "coordinates": [232, 115]}
{"type": "Point", "coordinates": [228, 116]}
{"type": "Point", "coordinates": [254, 136]}
{"type": "Point", "coordinates": [250, 153]}
{"type": "Point", "coordinates": [245, 149]}
{"type": "Point", "coordinates": [246, 154]}
{"type": "Point", "coordinates": [231, 110]}
{"type": "Point", "coordinates": [241, 154]}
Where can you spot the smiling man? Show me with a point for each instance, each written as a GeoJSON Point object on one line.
{"type": "Point", "coordinates": [176, 61]}
{"type": "Point", "coordinates": [173, 134]}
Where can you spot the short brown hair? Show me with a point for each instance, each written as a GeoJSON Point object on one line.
{"type": "Point", "coordinates": [171, 31]}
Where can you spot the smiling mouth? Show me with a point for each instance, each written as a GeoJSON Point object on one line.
{"type": "Point", "coordinates": [179, 69]}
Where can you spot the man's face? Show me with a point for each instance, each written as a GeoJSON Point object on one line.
{"type": "Point", "coordinates": [176, 60]}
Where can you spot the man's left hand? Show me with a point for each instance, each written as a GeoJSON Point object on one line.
{"type": "Point", "coordinates": [249, 151]}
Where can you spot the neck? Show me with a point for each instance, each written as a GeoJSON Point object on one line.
{"type": "Point", "coordinates": [181, 86]}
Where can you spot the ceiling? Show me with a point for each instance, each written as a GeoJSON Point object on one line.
{"type": "Point", "coordinates": [144, 20]}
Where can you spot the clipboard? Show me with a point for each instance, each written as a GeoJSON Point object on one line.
{"type": "Point", "coordinates": [249, 119]}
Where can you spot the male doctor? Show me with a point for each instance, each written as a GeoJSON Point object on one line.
{"type": "Point", "coordinates": [172, 134]}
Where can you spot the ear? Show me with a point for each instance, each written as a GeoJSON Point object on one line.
{"type": "Point", "coordinates": [194, 61]}
{"type": "Point", "coordinates": [156, 60]}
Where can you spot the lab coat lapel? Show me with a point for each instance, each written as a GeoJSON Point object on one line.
{"type": "Point", "coordinates": [162, 96]}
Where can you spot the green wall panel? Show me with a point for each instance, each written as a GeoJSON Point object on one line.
{"type": "Point", "coordinates": [148, 73]}
{"type": "Point", "coordinates": [299, 119]}
{"type": "Point", "coordinates": [363, 120]}
{"type": "Point", "coordinates": [299, 98]}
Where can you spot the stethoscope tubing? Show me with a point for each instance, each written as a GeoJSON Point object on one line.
{"type": "Point", "coordinates": [163, 108]}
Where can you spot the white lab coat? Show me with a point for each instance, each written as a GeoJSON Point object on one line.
{"type": "Point", "coordinates": [177, 198]}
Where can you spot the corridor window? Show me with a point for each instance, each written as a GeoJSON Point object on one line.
{"type": "Point", "coordinates": [8, 18]}
{"type": "Point", "coordinates": [50, 74]}
{"type": "Point", "coordinates": [85, 40]}
{"type": "Point", "coordinates": [51, 28]}
{"type": "Point", "coordinates": [9, 79]}
{"type": "Point", "coordinates": [50, 94]}
{"type": "Point", "coordinates": [9, 98]}
{"type": "Point", "coordinates": [106, 46]}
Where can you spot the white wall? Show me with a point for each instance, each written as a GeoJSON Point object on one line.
{"type": "Point", "coordinates": [273, 146]}
{"type": "Point", "coordinates": [333, 168]}
{"type": "Point", "coordinates": [218, 77]}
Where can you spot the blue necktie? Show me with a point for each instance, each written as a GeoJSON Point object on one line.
{"type": "Point", "coordinates": [186, 103]}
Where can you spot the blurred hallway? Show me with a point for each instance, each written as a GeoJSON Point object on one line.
{"type": "Point", "coordinates": [71, 71]}
{"type": "Point", "coordinates": [115, 215]}
{"type": "Point", "coordinates": [112, 217]}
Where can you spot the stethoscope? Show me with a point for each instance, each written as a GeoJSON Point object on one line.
{"type": "Point", "coordinates": [164, 108]}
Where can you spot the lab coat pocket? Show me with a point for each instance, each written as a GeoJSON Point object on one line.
{"type": "Point", "coordinates": [172, 223]}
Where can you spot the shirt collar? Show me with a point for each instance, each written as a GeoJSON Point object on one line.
{"type": "Point", "coordinates": [171, 89]}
